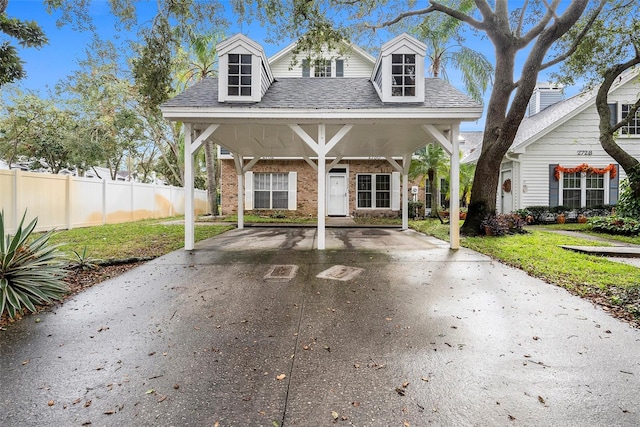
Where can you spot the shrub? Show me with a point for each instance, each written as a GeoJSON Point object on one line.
{"type": "Point", "coordinates": [616, 225]}
{"type": "Point", "coordinates": [499, 225]}
{"type": "Point", "coordinates": [628, 205]}
{"type": "Point", "coordinates": [495, 225]}
{"type": "Point", "coordinates": [31, 270]}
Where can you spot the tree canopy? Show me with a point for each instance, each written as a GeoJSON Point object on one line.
{"type": "Point", "coordinates": [26, 33]}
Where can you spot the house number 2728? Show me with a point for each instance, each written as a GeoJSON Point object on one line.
{"type": "Point", "coordinates": [585, 152]}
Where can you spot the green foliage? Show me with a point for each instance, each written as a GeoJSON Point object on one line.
{"type": "Point", "coordinates": [31, 271]}
{"type": "Point", "coordinates": [81, 261]}
{"type": "Point", "coordinates": [414, 208]}
{"type": "Point", "coordinates": [28, 34]}
{"type": "Point", "coordinates": [628, 202]}
{"type": "Point", "coordinates": [616, 225]}
{"type": "Point", "coordinates": [146, 238]}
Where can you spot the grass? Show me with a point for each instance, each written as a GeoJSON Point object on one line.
{"type": "Point", "coordinates": [146, 238]}
{"type": "Point", "coordinates": [538, 252]}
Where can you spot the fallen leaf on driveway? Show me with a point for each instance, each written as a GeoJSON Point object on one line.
{"type": "Point", "coordinates": [281, 377]}
{"type": "Point", "coordinates": [335, 415]}
{"type": "Point", "coordinates": [51, 403]}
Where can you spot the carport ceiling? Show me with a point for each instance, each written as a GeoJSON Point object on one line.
{"type": "Point", "coordinates": [364, 140]}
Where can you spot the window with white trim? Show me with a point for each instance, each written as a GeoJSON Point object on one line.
{"type": "Point", "coordinates": [633, 127]}
{"type": "Point", "coordinates": [583, 189]}
{"type": "Point", "coordinates": [403, 74]}
{"type": "Point", "coordinates": [374, 191]}
{"type": "Point", "coordinates": [270, 191]}
{"type": "Point", "coordinates": [239, 75]}
{"type": "Point", "coordinates": [323, 68]}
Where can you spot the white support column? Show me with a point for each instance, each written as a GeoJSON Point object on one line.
{"type": "Point", "coordinates": [240, 201]}
{"type": "Point", "coordinates": [189, 222]}
{"type": "Point", "coordinates": [321, 185]}
{"type": "Point", "coordinates": [239, 161]}
{"type": "Point", "coordinates": [454, 199]}
{"type": "Point", "coordinates": [406, 163]}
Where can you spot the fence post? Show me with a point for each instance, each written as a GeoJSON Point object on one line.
{"type": "Point", "coordinates": [16, 197]}
{"type": "Point", "coordinates": [104, 201]}
{"type": "Point", "coordinates": [68, 203]}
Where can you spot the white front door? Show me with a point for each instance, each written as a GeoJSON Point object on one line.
{"type": "Point", "coordinates": [506, 192]}
{"type": "Point", "coordinates": [337, 197]}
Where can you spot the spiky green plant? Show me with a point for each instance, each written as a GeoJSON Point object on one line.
{"type": "Point", "coordinates": [82, 261]}
{"type": "Point", "coordinates": [31, 270]}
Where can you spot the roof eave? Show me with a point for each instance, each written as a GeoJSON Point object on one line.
{"type": "Point", "coordinates": [281, 115]}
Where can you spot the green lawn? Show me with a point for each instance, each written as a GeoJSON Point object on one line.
{"type": "Point", "coordinates": [147, 238]}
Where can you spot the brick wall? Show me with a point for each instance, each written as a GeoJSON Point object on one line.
{"type": "Point", "coordinates": [307, 198]}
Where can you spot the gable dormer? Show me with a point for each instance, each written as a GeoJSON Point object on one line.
{"type": "Point", "coordinates": [398, 75]}
{"type": "Point", "coordinates": [244, 73]}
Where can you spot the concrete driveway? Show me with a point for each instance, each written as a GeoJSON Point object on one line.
{"type": "Point", "coordinates": [397, 330]}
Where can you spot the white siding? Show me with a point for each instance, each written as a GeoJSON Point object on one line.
{"type": "Point", "coordinates": [562, 146]}
{"type": "Point", "coordinates": [354, 64]}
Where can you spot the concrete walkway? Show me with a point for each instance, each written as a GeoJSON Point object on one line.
{"type": "Point", "coordinates": [385, 328]}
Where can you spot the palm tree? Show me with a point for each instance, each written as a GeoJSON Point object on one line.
{"type": "Point", "coordinates": [467, 171]}
{"type": "Point", "coordinates": [445, 49]}
{"type": "Point", "coordinates": [198, 64]}
{"type": "Point", "coordinates": [429, 162]}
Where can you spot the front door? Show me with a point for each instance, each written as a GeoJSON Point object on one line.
{"type": "Point", "coordinates": [337, 198]}
{"type": "Point", "coordinates": [507, 192]}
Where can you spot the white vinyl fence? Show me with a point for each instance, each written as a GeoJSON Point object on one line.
{"type": "Point", "coordinates": [69, 202]}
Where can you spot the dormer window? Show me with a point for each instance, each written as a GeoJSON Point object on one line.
{"type": "Point", "coordinates": [398, 75]}
{"type": "Point", "coordinates": [245, 74]}
{"type": "Point", "coordinates": [403, 75]}
{"type": "Point", "coordinates": [239, 75]}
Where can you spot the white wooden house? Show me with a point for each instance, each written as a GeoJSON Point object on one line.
{"type": "Point", "coordinates": [328, 137]}
{"type": "Point", "coordinates": [556, 158]}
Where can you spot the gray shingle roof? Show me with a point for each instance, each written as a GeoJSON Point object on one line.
{"type": "Point", "coordinates": [321, 93]}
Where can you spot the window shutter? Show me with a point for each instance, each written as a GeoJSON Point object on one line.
{"type": "Point", "coordinates": [614, 187]}
{"type": "Point", "coordinates": [293, 190]}
{"type": "Point", "coordinates": [339, 67]}
{"type": "Point", "coordinates": [306, 71]}
{"type": "Point", "coordinates": [554, 187]}
{"type": "Point", "coordinates": [613, 114]}
{"type": "Point", "coordinates": [248, 191]}
{"type": "Point", "coordinates": [395, 191]}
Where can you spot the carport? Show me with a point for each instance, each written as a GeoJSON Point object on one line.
{"type": "Point", "coordinates": [322, 121]}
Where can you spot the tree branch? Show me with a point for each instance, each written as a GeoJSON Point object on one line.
{"type": "Point", "coordinates": [538, 29]}
{"type": "Point", "coordinates": [434, 7]}
{"type": "Point", "coordinates": [577, 41]}
{"type": "Point", "coordinates": [521, 20]}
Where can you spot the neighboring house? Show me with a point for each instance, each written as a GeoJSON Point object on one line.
{"type": "Point", "coordinates": [556, 158]}
{"type": "Point", "coordinates": [331, 137]}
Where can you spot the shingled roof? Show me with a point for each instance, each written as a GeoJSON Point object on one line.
{"type": "Point", "coordinates": [321, 94]}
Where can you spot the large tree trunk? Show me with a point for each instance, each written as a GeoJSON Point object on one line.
{"type": "Point", "coordinates": [504, 117]}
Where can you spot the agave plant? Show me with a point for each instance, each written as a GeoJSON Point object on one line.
{"type": "Point", "coordinates": [31, 270]}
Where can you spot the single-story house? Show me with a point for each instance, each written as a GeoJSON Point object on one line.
{"type": "Point", "coordinates": [556, 158]}
{"type": "Point", "coordinates": [327, 137]}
